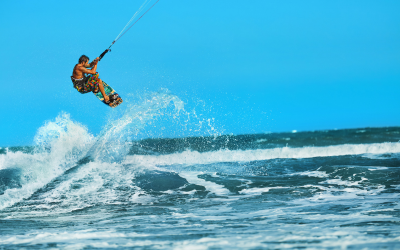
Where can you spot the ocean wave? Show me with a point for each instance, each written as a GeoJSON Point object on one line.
{"type": "Point", "coordinates": [59, 145]}
{"type": "Point", "coordinates": [193, 157]}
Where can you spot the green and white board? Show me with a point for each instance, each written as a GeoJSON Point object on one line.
{"type": "Point", "coordinates": [115, 99]}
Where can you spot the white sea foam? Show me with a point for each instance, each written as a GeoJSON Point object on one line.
{"type": "Point", "coordinates": [194, 157]}
{"type": "Point", "coordinates": [192, 177]}
{"type": "Point", "coordinates": [255, 191]}
{"type": "Point", "coordinates": [142, 198]}
{"type": "Point", "coordinates": [60, 143]}
{"type": "Point", "coordinates": [319, 174]}
{"type": "Point", "coordinates": [374, 168]}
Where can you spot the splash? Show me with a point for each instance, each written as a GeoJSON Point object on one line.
{"type": "Point", "coordinates": [59, 144]}
{"type": "Point", "coordinates": [157, 109]}
{"type": "Point", "coordinates": [114, 141]}
{"type": "Point", "coordinates": [65, 141]}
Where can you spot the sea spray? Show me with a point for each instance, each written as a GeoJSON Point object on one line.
{"type": "Point", "coordinates": [59, 144]}
{"type": "Point", "coordinates": [114, 141]}
{"type": "Point", "coordinates": [66, 141]}
{"type": "Point", "coordinates": [132, 121]}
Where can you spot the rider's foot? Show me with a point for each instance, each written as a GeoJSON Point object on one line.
{"type": "Point", "coordinates": [106, 99]}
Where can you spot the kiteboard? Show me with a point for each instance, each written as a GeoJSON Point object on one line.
{"type": "Point", "coordinates": [115, 99]}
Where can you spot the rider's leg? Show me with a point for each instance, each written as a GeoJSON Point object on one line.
{"type": "Point", "coordinates": [106, 98]}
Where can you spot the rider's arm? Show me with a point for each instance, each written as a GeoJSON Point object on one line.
{"type": "Point", "coordinates": [89, 71]}
{"type": "Point", "coordinates": [93, 62]}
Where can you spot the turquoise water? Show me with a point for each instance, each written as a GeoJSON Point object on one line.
{"type": "Point", "coordinates": [336, 189]}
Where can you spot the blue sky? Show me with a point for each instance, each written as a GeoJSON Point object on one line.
{"type": "Point", "coordinates": [258, 66]}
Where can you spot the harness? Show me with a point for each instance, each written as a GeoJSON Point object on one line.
{"type": "Point", "coordinates": [79, 82]}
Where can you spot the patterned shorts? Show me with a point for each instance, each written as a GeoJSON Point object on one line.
{"type": "Point", "coordinates": [91, 85]}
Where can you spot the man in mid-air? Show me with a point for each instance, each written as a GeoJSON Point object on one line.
{"type": "Point", "coordinates": [90, 83]}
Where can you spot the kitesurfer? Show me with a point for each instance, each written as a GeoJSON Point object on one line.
{"type": "Point", "coordinates": [87, 83]}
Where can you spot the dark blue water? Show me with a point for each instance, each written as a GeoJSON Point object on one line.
{"type": "Point", "coordinates": [334, 189]}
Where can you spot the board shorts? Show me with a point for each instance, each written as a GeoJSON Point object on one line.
{"type": "Point", "coordinates": [87, 84]}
